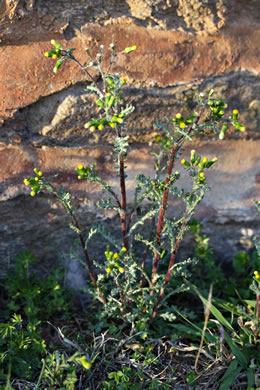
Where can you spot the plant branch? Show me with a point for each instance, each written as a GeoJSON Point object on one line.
{"type": "Point", "coordinates": [174, 152]}
{"type": "Point", "coordinates": [123, 201]}
{"type": "Point", "coordinates": [88, 261]}
{"type": "Point", "coordinates": [171, 263]}
{"type": "Point", "coordinates": [87, 73]}
{"type": "Point", "coordinates": [162, 210]}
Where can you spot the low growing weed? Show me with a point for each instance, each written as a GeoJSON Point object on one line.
{"type": "Point", "coordinates": [136, 294]}
{"type": "Point", "coordinates": [135, 286]}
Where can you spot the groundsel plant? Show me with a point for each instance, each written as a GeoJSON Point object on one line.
{"type": "Point", "coordinates": [128, 285]}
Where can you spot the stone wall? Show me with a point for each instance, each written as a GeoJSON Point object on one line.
{"type": "Point", "coordinates": [184, 47]}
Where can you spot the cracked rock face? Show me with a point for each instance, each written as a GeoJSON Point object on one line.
{"type": "Point", "coordinates": [184, 47]}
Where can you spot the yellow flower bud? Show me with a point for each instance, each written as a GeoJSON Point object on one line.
{"type": "Point", "coordinates": [256, 273]}
{"type": "Point", "coordinates": [178, 116]}
{"type": "Point", "coordinates": [235, 112]}
{"type": "Point", "coordinates": [183, 161]}
{"type": "Point", "coordinates": [87, 365]}
{"type": "Point", "coordinates": [182, 125]}
{"type": "Point", "coordinates": [80, 166]}
{"type": "Point", "coordinates": [108, 270]}
{"type": "Point", "coordinates": [54, 56]}
{"type": "Point", "coordinates": [40, 173]}
{"type": "Point", "coordinates": [205, 159]}
{"type": "Point", "coordinates": [115, 256]}
{"type": "Point", "coordinates": [100, 127]}
{"type": "Point", "coordinates": [87, 125]}
{"type": "Point", "coordinates": [125, 250]}
{"type": "Point", "coordinates": [257, 276]}
{"type": "Point", "coordinates": [201, 175]}
{"type": "Point", "coordinates": [121, 270]}
{"type": "Point", "coordinates": [26, 182]}
{"type": "Point", "coordinates": [242, 128]}
{"type": "Point", "coordinates": [33, 193]}
{"type": "Point", "coordinates": [80, 177]}
{"type": "Point", "coordinates": [92, 128]}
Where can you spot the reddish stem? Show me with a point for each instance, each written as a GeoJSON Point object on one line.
{"type": "Point", "coordinates": [165, 196]}
{"type": "Point", "coordinates": [171, 263]}
{"type": "Point", "coordinates": [123, 201]}
{"type": "Point", "coordinates": [162, 211]}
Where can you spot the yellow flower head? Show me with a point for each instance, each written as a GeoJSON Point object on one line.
{"type": "Point", "coordinates": [26, 182]}
{"type": "Point", "coordinates": [178, 116]}
{"type": "Point", "coordinates": [121, 270]}
{"type": "Point", "coordinates": [33, 193]}
{"type": "Point", "coordinates": [235, 112]}
{"type": "Point", "coordinates": [115, 256]}
{"type": "Point", "coordinates": [80, 166]}
{"type": "Point", "coordinates": [108, 270]}
{"type": "Point", "coordinates": [182, 125]}
{"type": "Point", "coordinates": [183, 161]}
{"type": "Point", "coordinates": [87, 365]}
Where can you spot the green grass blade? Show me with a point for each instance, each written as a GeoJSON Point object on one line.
{"type": "Point", "coordinates": [250, 378]}
{"type": "Point", "coordinates": [236, 351]}
{"type": "Point", "coordinates": [230, 375]}
{"type": "Point", "coordinates": [216, 313]}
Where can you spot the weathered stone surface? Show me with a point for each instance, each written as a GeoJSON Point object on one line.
{"type": "Point", "coordinates": [41, 225]}
{"type": "Point", "coordinates": [184, 47]}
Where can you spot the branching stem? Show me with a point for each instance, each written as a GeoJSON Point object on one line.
{"type": "Point", "coordinates": [88, 261]}
{"type": "Point", "coordinates": [171, 263]}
